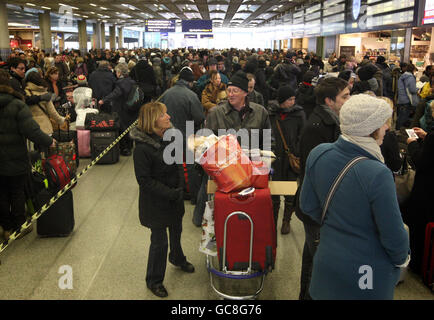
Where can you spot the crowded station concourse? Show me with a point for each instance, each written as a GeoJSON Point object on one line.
{"type": "Point", "coordinates": [85, 131]}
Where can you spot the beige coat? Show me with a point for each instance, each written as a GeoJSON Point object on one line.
{"type": "Point", "coordinates": [212, 96]}
{"type": "Point", "coordinates": [41, 116]}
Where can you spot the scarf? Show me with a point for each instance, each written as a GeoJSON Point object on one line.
{"type": "Point", "coordinates": [366, 143]}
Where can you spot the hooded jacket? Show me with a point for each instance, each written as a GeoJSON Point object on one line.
{"type": "Point", "coordinates": [160, 200]}
{"type": "Point", "coordinates": [17, 125]}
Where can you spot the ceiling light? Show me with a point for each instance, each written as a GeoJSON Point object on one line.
{"type": "Point", "coordinates": [93, 5]}
{"type": "Point", "coordinates": [46, 8]}
{"type": "Point", "coordinates": [31, 4]}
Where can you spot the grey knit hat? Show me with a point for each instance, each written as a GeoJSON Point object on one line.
{"type": "Point", "coordinates": [362, 114]}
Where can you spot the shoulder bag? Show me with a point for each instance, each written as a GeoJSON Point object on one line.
{"type": "Point", "coordinates": [294, 161]}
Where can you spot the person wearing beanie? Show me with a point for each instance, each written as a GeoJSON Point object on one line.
{"type": "Point", "coordinates": [186, 74]}
{"type": "Point", "coordinates": [322, 126]}
{"type": "Point", "coordinates": [363, 215]}
{"type": "Point", "coordinates": [305, 96]}
{"type": "Point", "coordinates": [348, 76]}
{"type": "Point", "coordinates": [290, 118]}
{"type": "Point", "coordinates": [371, 74]}
{"type": "Point", "coordinates": [236, 113]}
{"type": "Point", "coordinates": [81, 80]}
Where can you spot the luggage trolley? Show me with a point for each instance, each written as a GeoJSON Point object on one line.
{"type": "Point", "coordinates": [276, 188]}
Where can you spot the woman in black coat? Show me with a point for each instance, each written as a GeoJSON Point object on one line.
{"type": "Point", "coordinates": [418, 210]}
{"type": "Point", "coordinates": [291, 119]}
{"type": "Point", "coordinates": [17, 125]}
{"type": "Point", "coordinates": [161, 203]}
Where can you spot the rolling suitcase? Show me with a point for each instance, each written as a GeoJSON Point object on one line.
{"type": "Point", "coordinates": [83, 138]}
{"type": "Point", "coordinates": [258, 206]}
{"type": "Point", "coordinates": [99, 141]}
{"type": "Point", "coordinates": [58, 220]}
{"type": "Point", "coordinates": [428, 257]}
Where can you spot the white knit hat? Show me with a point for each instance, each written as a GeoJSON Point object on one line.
{"type": "Point", "coordinates": [121, 60]}
{"type": "Point", "coordinates": [362, 114]}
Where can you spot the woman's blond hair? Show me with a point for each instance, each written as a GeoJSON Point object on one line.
{"type": "Point", "coordinates": [390, 103]}
{"type": "Point", "coordinates": [148, 116]}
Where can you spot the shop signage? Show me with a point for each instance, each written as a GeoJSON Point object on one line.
{"type": "Point", "coordinates": [207, 36]}
{"type": "Point", "coordinates": [428, 17]}
{"type": "Point", "coordinates": [190, 36]}
{"type": "Point", "coordinates": [160, 25]}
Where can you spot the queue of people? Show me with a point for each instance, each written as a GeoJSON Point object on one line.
{"type": "Point", "coordinates": [321, 115]}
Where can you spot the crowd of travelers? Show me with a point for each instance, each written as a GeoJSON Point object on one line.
{"type": "Point", "coordinates": [322, 114]}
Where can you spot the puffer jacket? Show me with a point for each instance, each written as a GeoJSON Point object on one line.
{"type": "Point", "coordinates": [407, 81]}
{"type": "Point", "coordinates": [17, 125]}
{"type": "Point", "coordinates": [44, 110]}
{"type": "Point", "coordinates": [160, 199]}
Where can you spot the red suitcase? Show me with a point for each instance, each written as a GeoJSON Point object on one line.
{"type": "Point", "coordinates": [258, 206]}
{"type": "Point", "coordinates": [428, 256]}
{"type": "Point", "coordinates": [57, 172]}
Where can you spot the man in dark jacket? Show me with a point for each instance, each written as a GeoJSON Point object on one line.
{"type": "Point", "coordinates": [290, 118]}
{"type": "Point", "coordinates": [17, 74]}
{"type": "Point", "coordinates": [183, 105]}
{"type": "Point", "coordinates": [286, 73]}
{"type": "Point", "coordinates": [63, 69]}
{"type": "Point", "coordinates": [144, 75]}
{"type": "Point", "coordinates": [235, 113]}
{"type": "Point", "coordinates": [387, 77]}
{"type": "Point", "coordinates": [321, 127]}
{"type": "Point", "coordinates": [17, 124]}
{"type": "Point", "coordinates": [102, 82]}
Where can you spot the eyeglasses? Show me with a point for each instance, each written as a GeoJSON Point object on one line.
{"type": "Point", "coordinates": [234, 90]}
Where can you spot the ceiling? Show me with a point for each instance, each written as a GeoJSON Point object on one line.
{"type": "Point", "coordinates": [223, 13]}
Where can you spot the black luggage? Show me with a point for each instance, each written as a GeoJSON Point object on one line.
{"type": "Point", "coordinates": [58, 220]}
{"type": "Point", "coordinates": [99, 141]}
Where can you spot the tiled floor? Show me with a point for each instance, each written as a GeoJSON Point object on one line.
{"type": "Point", "coordinates": [107, 252]}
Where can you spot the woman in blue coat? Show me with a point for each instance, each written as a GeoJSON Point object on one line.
{"type": "Point", "coordinates": [363, 242]}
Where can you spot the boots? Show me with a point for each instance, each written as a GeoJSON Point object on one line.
{"type": "Point", "coordinates": [287, 214]}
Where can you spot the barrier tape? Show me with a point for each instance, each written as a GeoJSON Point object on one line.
{"type": "Point", "coordinates": [56, 197]}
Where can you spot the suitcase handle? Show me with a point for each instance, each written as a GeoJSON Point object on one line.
{"type": "Point", "coordinates": [236, 198]}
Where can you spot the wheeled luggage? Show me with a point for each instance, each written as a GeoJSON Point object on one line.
{"type": "Point", "coordinates": [240, 220]}
{"type": "Point", "coordinates": [99, 141]}
{"type": "Point", "coordinates": [83, 139]}
{"type": "Point", "coordinates": [428, 256]}
{"type": "Point", "coordinates": [66, 147]}
{"type": "Point", "coordinates": [102, 122]}
{"type": "Point", "coordinates": [58, 220]}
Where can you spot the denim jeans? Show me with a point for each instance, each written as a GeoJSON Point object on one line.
{"type": "Point", "coordinates": [311, 243]}
{"type": "Point", "coordinates": [157, 258]}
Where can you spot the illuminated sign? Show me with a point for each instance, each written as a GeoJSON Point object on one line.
{"type": "Point", "coordinates": [160, 25]}
{"type": "Point", "coordinates": [196, 25]}
{"type": "Point", "coordinates": [428, 17]}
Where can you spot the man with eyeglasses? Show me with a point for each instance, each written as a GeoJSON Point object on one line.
{"type": "Point", "coordinates": [235, 113]}
{"type": "Point", "coordinates": [17, 72]}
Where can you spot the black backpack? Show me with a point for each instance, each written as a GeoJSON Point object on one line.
{"type": "Point", "coordinates": [135, 99]}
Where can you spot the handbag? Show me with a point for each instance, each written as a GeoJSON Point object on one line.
{"type": "Point", "coordinates": [336, 183]}
{"type": "Point", "coordinates": [404, 181]}
{"type": "Point", "coordinates": [413, 102]}
{"type": "Point", "coordinates": [294, 161]}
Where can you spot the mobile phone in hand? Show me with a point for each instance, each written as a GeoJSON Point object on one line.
{"type": "Point", "coordinates": [411, 133]}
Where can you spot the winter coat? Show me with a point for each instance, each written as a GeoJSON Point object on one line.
{"type": "Point", "coordinates": [418, 209]}
{"type": "Point", "coordinates": [390, 151]}
{"type": "Point", "coordinates": [320, 127]}
{"type": "Point", "coordinates": [387, 80]}
{"type": "Point", "coordinates": [362, 227]}
{"type": "Point", "coordinates": [291, 121]}
{"type": "Point", "coordinates": [118, 98]}
{"type": "Point", "coordinates": [102, 82]}
{"type": "Point", "coordinates": [144, 75]}
{"type": "Point", "coordinates": [183, 105]}
{"type": "Point", "coordinates": [44, 110]}
{"type": "Point", "coordinates": [407, 81]}
{"type": "Point", "coordinates": [160, 198]}
{"type": "Point", "coordinates": [225, 117]}
{"type": "Point", "coordinates": [257, 97]}
{"type": "Point", "coordinates": [81, 68]}
{"type": "Point", "coordinates": [63, 71]}
{"type": "Point", "coordinates": [204, 80]}
{"type": "Point", "coordinates": [305, 97]}
{"type": "Point", "coordinates": [17, 84]}
{"type": "Point", "coordinates": [17, 125]}
{"type": "Point", "coordinates": [285, 74]}
{"type": "Point", "coordinates": [212, 96]}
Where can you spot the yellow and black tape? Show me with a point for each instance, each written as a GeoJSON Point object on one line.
{"type": "Point", "coordinates": [73, 181]}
